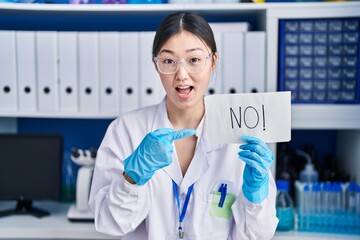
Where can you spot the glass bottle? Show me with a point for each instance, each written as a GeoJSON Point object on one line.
{"type": "Point", "coordinates": [284, 206]}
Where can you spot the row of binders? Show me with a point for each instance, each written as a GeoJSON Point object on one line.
{"type": "Point", "coordinates": [103, 74]}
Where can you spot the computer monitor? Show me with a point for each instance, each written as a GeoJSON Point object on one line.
{"type": "Point", "coordinates": [30, 169]}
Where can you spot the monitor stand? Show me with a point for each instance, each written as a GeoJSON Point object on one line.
{"type": "Point", "coordinates": [24, 207]}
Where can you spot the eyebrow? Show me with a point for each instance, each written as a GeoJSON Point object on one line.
{"type": "Point", "coordinates": [194, 49]}
{"type": "Point", "coordinates": [189, 50]}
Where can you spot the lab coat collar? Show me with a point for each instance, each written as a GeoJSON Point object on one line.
{"type": "Point", "coordinates": [162, 121]}
{"type": "Point", "coordinates": [200, 162]}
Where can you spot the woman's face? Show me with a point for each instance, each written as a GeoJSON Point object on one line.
{"type": "Point", "coordinates": [185, 89]}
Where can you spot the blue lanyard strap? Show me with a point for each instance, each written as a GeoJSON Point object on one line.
{"type": "Point", "coordinates": [183, 212]}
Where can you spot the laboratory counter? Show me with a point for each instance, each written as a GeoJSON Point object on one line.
{"type": "Point", "coordinates": [57, 226]}
{"type": "Point", "coordinates": [54, 226]}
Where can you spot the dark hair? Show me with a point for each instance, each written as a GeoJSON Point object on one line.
{"type": "Point", "coordinates": [183, 21]}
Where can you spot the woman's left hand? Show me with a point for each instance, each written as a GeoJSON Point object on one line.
{"type": "Point", "coordinates": [258, 159]}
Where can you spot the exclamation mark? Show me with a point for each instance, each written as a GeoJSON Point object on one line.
{"type": "Point", "coordinates": [263, 113]}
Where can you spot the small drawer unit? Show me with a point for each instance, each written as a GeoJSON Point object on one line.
{"type": "Point", "coordinates": [319, 60]}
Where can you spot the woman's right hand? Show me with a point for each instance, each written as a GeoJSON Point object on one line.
{"type": "Point", "coordinates": [154, 152]}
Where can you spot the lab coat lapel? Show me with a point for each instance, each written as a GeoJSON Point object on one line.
{"type": "Point", "coordinates": [200, 163]}
{"type": "Point", "coordinates": [198, 166]}
{"type": "Point", "coordinates": [162, 121]}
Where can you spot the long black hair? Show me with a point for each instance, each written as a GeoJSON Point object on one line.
{"type": "Point", "coordinates": [183, 21]}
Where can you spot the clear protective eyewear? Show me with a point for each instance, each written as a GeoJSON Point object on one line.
{"type": "Point", "coordinates": [192, 64]}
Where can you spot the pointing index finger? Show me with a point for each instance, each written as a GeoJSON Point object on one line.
{"type": "Point", "coordinates": [179, 134]}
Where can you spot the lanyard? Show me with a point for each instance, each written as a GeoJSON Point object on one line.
{"type": "Point", "coordinates": [183, 212]}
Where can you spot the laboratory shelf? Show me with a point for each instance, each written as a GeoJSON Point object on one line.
{"type": "Point", "coordinates": [146, 17]}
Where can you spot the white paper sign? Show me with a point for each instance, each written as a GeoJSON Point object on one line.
{"type": "Point", "coordinates": [263, 115]}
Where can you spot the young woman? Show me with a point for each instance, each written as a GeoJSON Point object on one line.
{"type": "Point", "coordinates": [156, 175]}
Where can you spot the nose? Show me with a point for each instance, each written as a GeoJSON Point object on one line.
{"type": "Point", "coordinates": [182, 72]}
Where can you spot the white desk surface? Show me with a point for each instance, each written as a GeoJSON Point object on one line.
{"type": "Point", "coordinates": [292, 235]}
{"type": "Point", "coordinates": [57, 226]}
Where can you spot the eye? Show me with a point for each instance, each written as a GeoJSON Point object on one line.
{"type": "Point", "coordinates": [168, 61]}
{"type": "Point", "coordinates": [195, 60]}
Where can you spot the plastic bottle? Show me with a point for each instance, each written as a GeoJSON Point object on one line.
{"type": "Point", "coordinates": [337, 197]}
{"type": "Point", "coordinates": [358, 200]}
{"type": "Point", "coordinates": [344, 187]}
{"type": "Point", "coordinates": [316, 197]}
{"type": "Point", "coordinates": [307, 203]}
{"type": "Point", "coordinates": [284, 166]}
{"type": "Point", "coordinates": [326, 198]}
{"type": "Point", "coordinates": [351, 197]}
{"type": "Point", "coordinates": [284, 206]}
{"type": "Point", "coordinates": [309, 173]}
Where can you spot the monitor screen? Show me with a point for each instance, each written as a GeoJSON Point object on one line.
{"type": "Point", "coordinates": [30, 169]}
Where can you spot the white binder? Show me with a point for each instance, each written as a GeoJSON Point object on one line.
{"type": "Point", "coordinates": [230, 44]}
{"type": "Point", "coordinates": [26, 62]}
{"type": "Point", "coordinates": [215, 84]}
{"type": "Point", "coordinates": [229, 27]}
{"type": "Point", "coordinates": [47, 75]}
{"type": "Point", "coordinates": [255, 62]}
{"type": "Point", "coordinates": [151, 89]}
{"type": "Point", "coordinates": [8, 78]}
{"type": "Point", "coordinates": [109, 72]}
{"type": "Point", "coordinates": [233, 64]}
{"type": "Point", "coordinates": [68, 72]}
{"type": "Point", "coordinates": [89, 72]}
{"type": "Point", "coordinates": [129, 70]}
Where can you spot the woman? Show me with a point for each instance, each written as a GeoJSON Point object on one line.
{"type": "Point", "coordinates": [156, 175]}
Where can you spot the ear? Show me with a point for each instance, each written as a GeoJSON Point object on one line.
{"type": "Point", "coordinates": [155, 65]}
{"type": "Point", "coordinates": [215, 60]}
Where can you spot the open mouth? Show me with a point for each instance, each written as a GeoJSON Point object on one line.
{"type": "Point", "coordinates": [184, 89]}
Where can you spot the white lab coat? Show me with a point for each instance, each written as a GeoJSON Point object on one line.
{"type": "Point", "coordinates": [150, 211]}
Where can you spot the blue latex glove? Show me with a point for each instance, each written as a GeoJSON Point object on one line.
{"type": "Point", "coordinates": [258, 158]}
{"type": "Point", "coordinates": [154, 152]}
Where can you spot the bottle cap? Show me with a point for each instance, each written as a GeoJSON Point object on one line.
{"type": "Point", "coordinates": [316, 187]}
{"type": "Point", "coordinates": [282, 185]}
